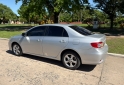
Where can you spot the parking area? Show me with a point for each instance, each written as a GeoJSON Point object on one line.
{"type": "Point", "coordinates": [32, 70]}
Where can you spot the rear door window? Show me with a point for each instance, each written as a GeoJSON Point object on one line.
{"type": "Point", "coordinates": [56, 31]}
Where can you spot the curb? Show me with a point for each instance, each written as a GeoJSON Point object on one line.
{"type": "Point", "coordinates": [116, 55]}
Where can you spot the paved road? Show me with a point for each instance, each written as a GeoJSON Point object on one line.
{"type": "Point", "coordinates": [32, 70]}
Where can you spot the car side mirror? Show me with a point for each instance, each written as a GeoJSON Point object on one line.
{"type": "Point", "coordinates": [23, 34]}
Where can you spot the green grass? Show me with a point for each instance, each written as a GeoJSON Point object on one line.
{"type": "Point", "coordinates": [7, 31]}
{"type": "Point", "coordinates": [116, 45]}
{"type": "Point", "coordinates": [8, 34]}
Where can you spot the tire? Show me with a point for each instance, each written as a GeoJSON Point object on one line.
{"type": "Point", "coordinates": [71, 60]}
{"type": "Point", "coordinates": [17, 49]}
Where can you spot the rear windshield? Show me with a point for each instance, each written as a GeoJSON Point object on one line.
{"type": "Point", "coordinates": [81, 30]}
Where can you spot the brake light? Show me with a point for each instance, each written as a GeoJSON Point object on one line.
{"type": "Point", "coordinates": [97, 44]}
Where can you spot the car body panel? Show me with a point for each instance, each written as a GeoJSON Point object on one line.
{"type": "Point", "coordinates": [32, 45]}
{"type": "Point", "coordinates": [53, 45]}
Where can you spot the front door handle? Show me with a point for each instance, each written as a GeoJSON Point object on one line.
{"type": "Point", "coordinates": [62, 41]}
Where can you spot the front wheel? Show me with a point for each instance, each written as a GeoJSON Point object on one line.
{"type": "Point", "coordinates": [16, 49]}
{"type": "Point", "coordinates": [71, 60]}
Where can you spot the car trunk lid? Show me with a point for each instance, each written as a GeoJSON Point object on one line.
{"type": "Point", "coordinates": [99, 40]}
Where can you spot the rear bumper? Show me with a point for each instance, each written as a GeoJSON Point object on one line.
{"type": "Point", "coordinates": [94, 57]}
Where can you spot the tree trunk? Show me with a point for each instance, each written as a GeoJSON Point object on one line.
{"type": "Point", "coordinates": [56, 14]}
{"type": "Point", "coordinates": [111, 24]}
{"type": "Point", "coordinates": [29, 20]}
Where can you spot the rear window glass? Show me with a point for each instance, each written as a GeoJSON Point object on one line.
{"type": "Point", "coordinates": [81, 30]}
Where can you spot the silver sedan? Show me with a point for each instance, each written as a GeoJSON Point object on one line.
{"type": "Point", "coordinates": [71, 44]}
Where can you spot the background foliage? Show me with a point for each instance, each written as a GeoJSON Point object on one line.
{"type": "Point", "coordinates": [6, 14]}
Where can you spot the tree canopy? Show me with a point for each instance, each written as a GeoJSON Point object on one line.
{"type": "Point", "coordinates": [53, 7]}
{"type": "Point", "coordinates": [83, 15]}
{"type": "Point", "coordinates": [110, 7]}
{"type": "Point", "coordinates": [6, 13]}
{"type": "Point", "coordinates": [30, 14]}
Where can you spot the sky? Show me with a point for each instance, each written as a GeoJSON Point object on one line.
{"type": "Point", "coordinates": [15, 7]}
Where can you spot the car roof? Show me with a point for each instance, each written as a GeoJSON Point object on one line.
{"type": "Point", "coordinates": [57, 25]}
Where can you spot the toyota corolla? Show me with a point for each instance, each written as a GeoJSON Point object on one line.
{"type": "Point", "coordinates": [71, 44]}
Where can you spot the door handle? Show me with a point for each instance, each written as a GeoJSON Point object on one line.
{"type": "Point", "coordinates": [62, 41]}
{"type": "Point", "coordinates": [38, 40]}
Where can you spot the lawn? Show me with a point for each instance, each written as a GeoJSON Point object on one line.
{"type": "Point", "coordinates": [8, 34]}
{"type": "Point", "coordinates": [7, 31]}
{"type": "Point", "coordinates": [116, 44]}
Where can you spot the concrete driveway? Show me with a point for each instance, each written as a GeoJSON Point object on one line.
{"type": "Point", "coordinates": [32, 70]}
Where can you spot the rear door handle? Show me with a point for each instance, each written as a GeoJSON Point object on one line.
{"type": "Point", "coordinates": [38, 40]}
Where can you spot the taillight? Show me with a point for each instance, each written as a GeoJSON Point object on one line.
{"type": "Point", "coordinates": [97, 44]}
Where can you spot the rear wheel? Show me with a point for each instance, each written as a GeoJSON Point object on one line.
{"type": "Point", "coordinates": [17, 49]}
{"type": "Point", "coordinates": [71, 60]}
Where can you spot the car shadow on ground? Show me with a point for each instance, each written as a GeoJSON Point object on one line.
{"type": "Point", "coordinates": [85, 68]}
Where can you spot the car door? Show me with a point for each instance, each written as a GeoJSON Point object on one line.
{"type": "Point", "coordinates": [55, 40]}
{"type": "Point", "coordinates": [32, 42]}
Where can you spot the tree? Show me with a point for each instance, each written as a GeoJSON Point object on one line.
{"type": "Point", "coordinates": [22, 12]}
{"type": "Point", "coordinates": [80, 14]}
{"type": "Point", "coordinates": [84, 14]}
{"type": "Point", "coordinates": [110, 7]}
{"type": "Point", "coordinates": [100, 15]}
{"type": "Point", "coordinates": [122, 7]}
{"type": "Point", "coordinates": [29, 13]}
{"type": "Point", "coordinates": [54, 7]}
{"type": "Point", "coordinates": [6, 13]}
{"type": "Point", "coordinates": [65, 16]}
